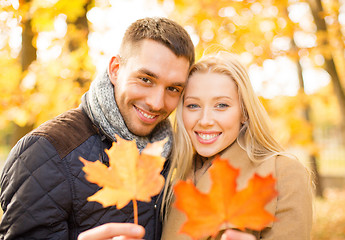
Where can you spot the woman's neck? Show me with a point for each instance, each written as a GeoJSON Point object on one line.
{"type": "Point", "coordinates": [201, 165]}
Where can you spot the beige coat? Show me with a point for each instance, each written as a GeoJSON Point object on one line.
{"type": "Point", "coordinates": [292, 207]}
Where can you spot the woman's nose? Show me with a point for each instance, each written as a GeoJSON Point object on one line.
{"type": "Point", "coordinates": [206, 117]}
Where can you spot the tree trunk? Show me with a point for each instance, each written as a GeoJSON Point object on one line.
{"type": "Point", "coordinates": [82, 26]}
{"type": "Point", "coordinates": [313, 159]}
{"type": "Point", "coordinates": [316, 9]}
{"type": "Point", "coordinates": [27, 56]}
{"type": "Point", "coordinates": [317, 180]}
{"type": "Point", "coordinates": [28, 51]}
{"type": "Point", "coordinates": [79, 39]}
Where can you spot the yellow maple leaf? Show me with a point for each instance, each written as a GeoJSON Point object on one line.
{"type": "Point", "coordinates": [130, 175]}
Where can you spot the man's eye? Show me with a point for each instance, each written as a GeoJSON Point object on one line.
{"type": "Point", "coordinates": [146, 80]}
{"type": "Point", "coordinates": [173, 89]}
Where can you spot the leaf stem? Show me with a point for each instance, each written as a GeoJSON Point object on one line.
{"type": "Point", "coordinates": [135, 209]}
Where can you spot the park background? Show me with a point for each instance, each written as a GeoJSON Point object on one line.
{"type": "Point", "coordinates": [50, 50]}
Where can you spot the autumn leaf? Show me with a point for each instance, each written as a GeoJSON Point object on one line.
{"type": "Point", "coordinates": [130, 175]}
{"type": "Point", "coordinates": [224, 205]}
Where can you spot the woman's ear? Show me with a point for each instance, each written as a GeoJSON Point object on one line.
{"type": "Point", "coordinates": [114, 66]}
{"type": "Point", "coordinates": [243, 119]}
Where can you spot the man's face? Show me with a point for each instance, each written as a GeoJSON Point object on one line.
{"type": "Point", "coordinates": [148, 86]}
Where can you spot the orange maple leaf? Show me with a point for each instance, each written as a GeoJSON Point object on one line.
{"type": "Point", "coordinates": [224, 205]}
{"type": "Point", "coordinates": [130, 175]}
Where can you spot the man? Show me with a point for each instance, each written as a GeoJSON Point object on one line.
{"type": "Point", "coordinates": [43, 188]}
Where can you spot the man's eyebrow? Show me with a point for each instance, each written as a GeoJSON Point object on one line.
{"type": "Point", "coordinates": [147, 72]}
{"type": "Point", "coordinates": [179, 84]}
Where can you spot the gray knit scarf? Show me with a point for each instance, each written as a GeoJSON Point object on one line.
{"type": "Point", "coordinates": [100, 105]}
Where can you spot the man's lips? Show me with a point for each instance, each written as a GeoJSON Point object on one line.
{"type": "Point", "coordinates": [145, 116]}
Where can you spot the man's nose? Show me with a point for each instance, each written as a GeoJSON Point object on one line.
{"type": "Point", "coordinates": [156, 99]}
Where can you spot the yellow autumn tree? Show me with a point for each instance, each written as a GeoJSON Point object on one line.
{"type": "Point", "coordinates": [49, 71]}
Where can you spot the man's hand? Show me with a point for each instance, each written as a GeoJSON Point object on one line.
{"type": "Point", "coordinates": [236, 235]}
{"type": "Point", "coordinates": [128, 231]}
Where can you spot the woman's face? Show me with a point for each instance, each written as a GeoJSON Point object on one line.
{"type": "Point", "coordinates": [211, 112]}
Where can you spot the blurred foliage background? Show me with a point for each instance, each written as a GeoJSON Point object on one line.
{"type": "Point", "coordinates": [50, 50]}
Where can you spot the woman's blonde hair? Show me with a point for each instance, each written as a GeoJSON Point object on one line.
{"type": "Point", "coordinates": [255, 136]}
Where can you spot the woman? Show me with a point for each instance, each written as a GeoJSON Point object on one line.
{"type": "Point", "coordinates": [219, 114]}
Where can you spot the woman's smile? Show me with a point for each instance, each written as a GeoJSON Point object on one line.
{"type": "Point", "coordinates": [207, 137]}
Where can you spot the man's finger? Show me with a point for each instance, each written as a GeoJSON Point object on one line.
{"type": "Point", "coordinates": [110, 230]}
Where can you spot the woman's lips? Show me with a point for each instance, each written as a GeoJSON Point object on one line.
{"type": "Point", "coordinates": [207, 137]}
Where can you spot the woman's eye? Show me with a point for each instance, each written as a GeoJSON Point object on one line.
{"type": "Point", "coordinates": [192, 106]}
{"type": "Point", "coordinates": [222, 105]}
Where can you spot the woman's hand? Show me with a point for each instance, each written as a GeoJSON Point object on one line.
{"type": "Point", "coordinates": [128, 231]}
{"type": "Point", "coordinates": [231, 234]}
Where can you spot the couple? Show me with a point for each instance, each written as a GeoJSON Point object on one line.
{"type": "Point", "coordinates": [43, 189]}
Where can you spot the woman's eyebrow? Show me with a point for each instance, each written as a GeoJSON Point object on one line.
{"type": "Point", "coordinates": [220, 97]}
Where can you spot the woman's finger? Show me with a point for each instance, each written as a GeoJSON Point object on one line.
{"type": "Point", "coordinates": [231, 234]}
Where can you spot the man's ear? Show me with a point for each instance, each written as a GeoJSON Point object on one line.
{"type": "Point", "coordinates": [114, 66]}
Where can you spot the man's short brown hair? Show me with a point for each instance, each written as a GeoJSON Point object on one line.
{"type": "Point", "coordinates": [162, 30]}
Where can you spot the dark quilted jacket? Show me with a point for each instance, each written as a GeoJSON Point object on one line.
{"type": "Point", "coordinates": [43, 189]}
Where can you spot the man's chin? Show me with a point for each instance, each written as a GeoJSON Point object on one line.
{"type": "Point", "coordinates": [142, 131]}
